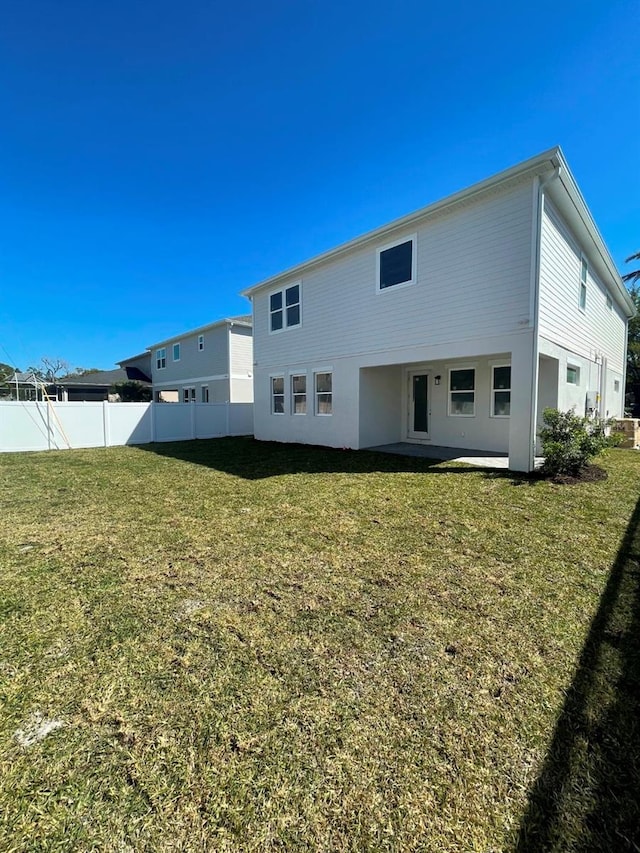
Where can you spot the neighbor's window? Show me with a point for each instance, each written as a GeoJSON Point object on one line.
{"type": "Point", "coordinates": [200, 343]}
{"type": "Point", "coordinates": [204, 394]}
{"type": "Point", "coordinates": [188, 395]}
{"type": "Point", "coordinates": [501, 392]}
{"type": "Point", "coordinates": [299, 394]}
{"type": "Point", "coordinates": [176, 352]}
{"type": "Point", "coordinates": [284, 308]}
{"type": "Point", "coordinates": [462, 393]}
{"type": "Point", "coordinates": [396, 263]}
{"type": "Point", "coordinates": [584, 267]}
{"type": "Point", "coordinates": [277, 395]}
{"type": "Point", "coordinates": [324, 393]}
{"type": "Point", "coordinates": [161, 358]}
{"type": "Point", "coordinates": [573, 375]}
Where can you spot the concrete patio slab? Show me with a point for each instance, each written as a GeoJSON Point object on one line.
{"type": "Point", "coordinates": [479, 458]}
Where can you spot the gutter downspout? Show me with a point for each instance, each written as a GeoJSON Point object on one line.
{"type": "Point", "coordinates": [537, 248]}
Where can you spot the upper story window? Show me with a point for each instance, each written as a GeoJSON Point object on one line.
{"type": "Point", "coordinates": [176, 352]}
{"type": "Point", "coordinates": [501, 391]}
{"type": "Point", "coordinates": [584, 268]}
{"type": "Point", "coordinates": [161, 358]}
{"type": "Point", "coordinates": [396, 263]}
{"type": "Point", "coordinates": [200, 343]}
{"type": "Point", "coordinates": [462, 392]}
{"type": "Point", "coordinates": [284, 308]}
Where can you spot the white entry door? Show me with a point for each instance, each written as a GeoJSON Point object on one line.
{"type": "Point", "coordinates": [418, 426]}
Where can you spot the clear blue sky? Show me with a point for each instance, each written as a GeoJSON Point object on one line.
{"type": "Point", "coordinates": [157, 157]}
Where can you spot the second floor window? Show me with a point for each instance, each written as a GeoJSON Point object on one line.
{"type": "Point", "coordinates": [284, 308]}
{"type": "Point", "coordinates": [161, 358]}
{"type": "Point", "coordinates": [176, 352]}
{"type": "Point", "coordinates": [396, 264]}
{"type": "Point", "coordinates": [200, 343]}
{"type": "Point", "coordinates": [584, 267]}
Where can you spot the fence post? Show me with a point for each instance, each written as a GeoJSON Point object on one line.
{"type": "Point", "coordinates": [192, 415]}
{"type": "Point", "coordinates": [105, 423]}
{"type": "Point", "coordinates": [153, 422]}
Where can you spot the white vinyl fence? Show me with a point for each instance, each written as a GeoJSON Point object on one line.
{"type": "Point", "coordinates": [55, 426]}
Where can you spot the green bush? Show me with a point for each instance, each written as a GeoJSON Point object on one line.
{"type": "Point", "coordinates": [570, 442]}
{"type": "Point", "coordinates": [131, 391]}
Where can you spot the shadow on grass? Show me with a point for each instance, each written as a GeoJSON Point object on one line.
{"type": "Point", "coordinates": [256, 460]}
{"type": "Point", "coordinates": [587, 797]}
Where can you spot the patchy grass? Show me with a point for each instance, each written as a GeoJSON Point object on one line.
{"type": "Point", "coordinates": [224, 645]}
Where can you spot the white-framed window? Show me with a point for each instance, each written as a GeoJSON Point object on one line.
{"type": "Point", "coordinates": [188, 395]}
{"type": "Point", "coordinates": [285, 308]}
{"type": "Point", "coordinates": [324, 393]}
{"type": "Point", "coordinates": [200, 343]}
{"type": "Point", "coordinates": [584, 269]}
{"type": "Point", "coordinates": [396, 263]}
{"type": "Point", "coordinates": [616, 386]}
{"type": "Point", "coordinates": [573, 374]}
{"type": "Point", "coordinates": [501, 391]}
{"type": "Point", "coordinates": [161, 358]}
{"type": "Point", "coordinates": [299, 394]}
{"type": "Point", "coordinates": [204, 393]}
{"type": "Point", "coordinates": [176, 352]}
{"type": "Point", "coordinates": [462, 392]}
{"type": "Point", "coordinates": [277, 395]}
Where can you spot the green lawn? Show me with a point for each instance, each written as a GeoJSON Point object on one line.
{"type": "Point", "coordinates": [262, 647]}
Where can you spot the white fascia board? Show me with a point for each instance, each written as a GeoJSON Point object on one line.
{"type": "Point", "coordinates": [541, 163]}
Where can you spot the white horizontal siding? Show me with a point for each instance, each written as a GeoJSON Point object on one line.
{"type": "Point", "coordinates": [473, 279]}
{"type": "Point", "coordinates": [194, 363]}
{"type": "Point", "coordinates": [598, 329]}
{"type": "Point", "coordinates": [241, 350]}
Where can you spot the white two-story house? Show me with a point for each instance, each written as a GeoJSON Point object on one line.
{"type": "Point", "coordinates": [455, 325]}
{"type": "Point", "coordinates": [211, 364]}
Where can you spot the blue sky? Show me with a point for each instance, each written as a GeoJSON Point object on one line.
{"type": "Point", "coordinates": [158, 157]}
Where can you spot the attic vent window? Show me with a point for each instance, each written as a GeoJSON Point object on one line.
{"type": "Point", "coordinates": [396, 263]}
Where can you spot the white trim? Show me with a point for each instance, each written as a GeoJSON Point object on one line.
{"type": "Point", "coordinates": [408, 238]}
{"type": "Point", "coordinates": [451, 414]}
{"type": "Point", "coordinates": [292, 376]}
{"type": "Point", "coordinates": [185, 390]}
{"type": "Point", "coordinates": [316, 413]}
{"type": "Point", "coordinates": [159, 358]}
{"type": "Point", "coordinates": [196, 379]}
{"type": "Point", "coordinates": [576, 367]}
{"type": "Point", "coordinates": [492, 367]}
{"type": "Point", "coordinates": [273, 376]}
{"type": "Point", "coordinates": [229, 321]}
{"type": "Point", "coordinates": [283, 292]}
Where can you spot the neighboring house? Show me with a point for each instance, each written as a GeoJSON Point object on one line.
{"type": "Point", "coordinates": [455, 325]}
{"type": "Point", "coordinates": [94, 387]}
{"type": "Point", "coordinates": [138, 367]}
{"type": "Point", "coordinates": [212, 364]}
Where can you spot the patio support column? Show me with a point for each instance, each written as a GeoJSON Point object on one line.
{"type": "Point", "coordinates": [522, 426]}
